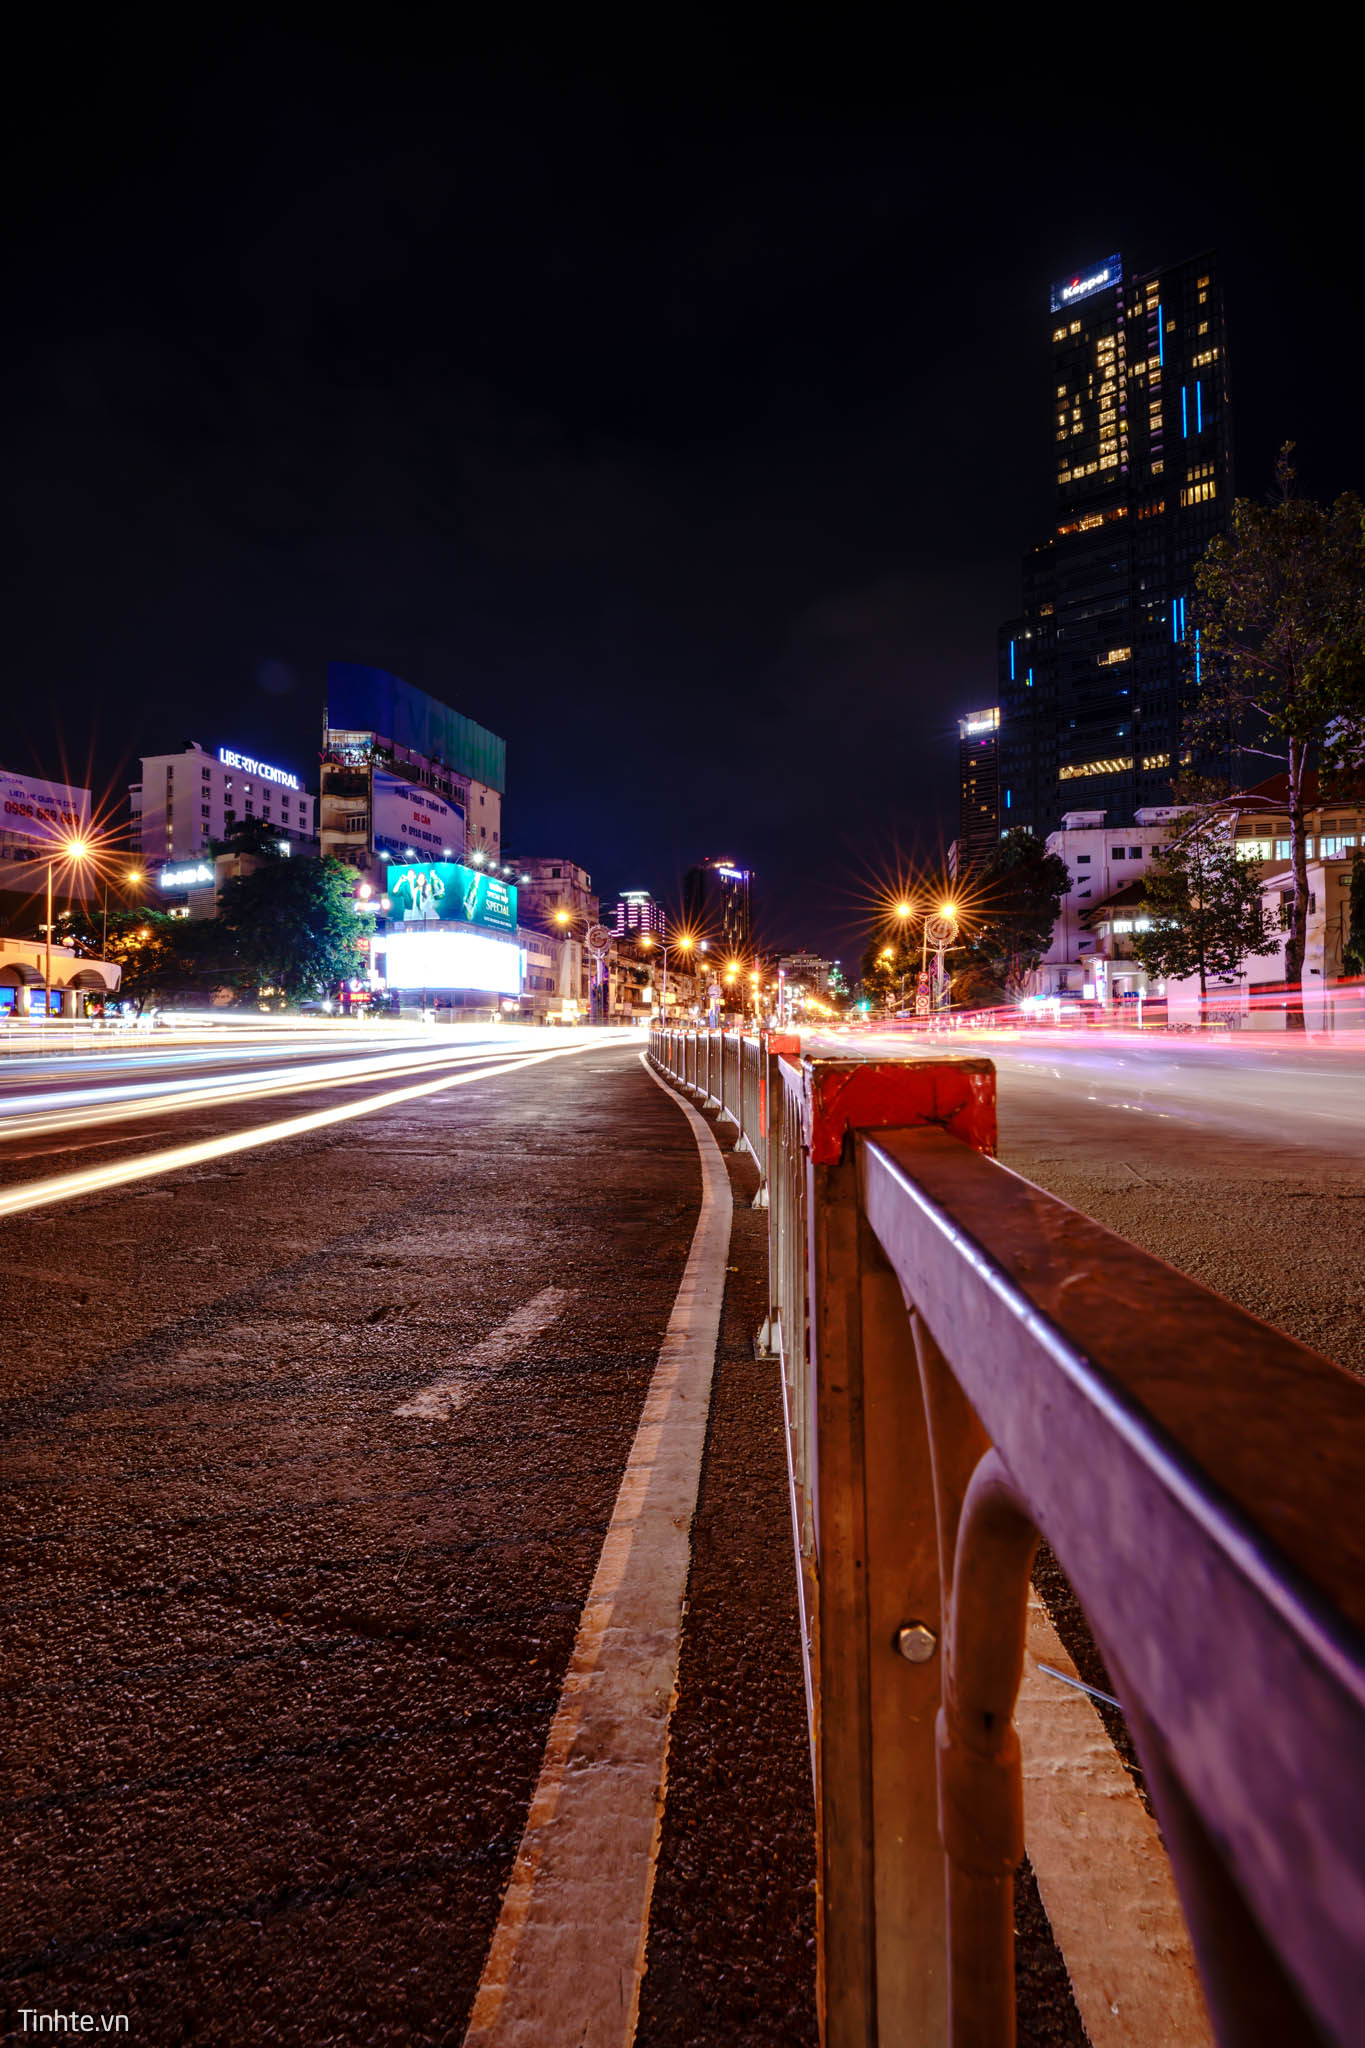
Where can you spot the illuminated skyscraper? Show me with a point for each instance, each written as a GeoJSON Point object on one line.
{"type": "Point", "coordinates": [978, 762]}
{"type": "Point", "coordinates": [718, 904]}
{"type": "Point", "coordinates": [1094, 671]}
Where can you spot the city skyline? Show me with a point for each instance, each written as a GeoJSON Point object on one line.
{"type": "Point", "coordinates": [776, 472]}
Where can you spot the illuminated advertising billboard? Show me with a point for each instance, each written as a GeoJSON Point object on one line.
{"type": "Point", "coordinates": [434, 960]}
{"type": "Point", "coordinates": [40, 813]}
{"type": "Point", "coordinates": [410, 819]}
{"type": "Point", "coordinates": [423, 892]}
{"type": "Point", "coordinates": [1083, 284]}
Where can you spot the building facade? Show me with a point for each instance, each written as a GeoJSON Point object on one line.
{"type": "Point", "coordinates": [404, 777]}
{"type": "Point", "coordinates": [718, 905]}
{"type": "Point", "coordinates": [1094, 671]}
{"type": "Point", "coordinates": [185, 800]}
{"type": "Point", "coordinates": [555, 894]}
{"type": "Point", "coordinates": [978, 787]}
{"type": "Point", "coordinates": [636, 911]}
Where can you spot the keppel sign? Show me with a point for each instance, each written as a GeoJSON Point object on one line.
{"type": "Point", "coordinates": [190, 875]}
{"type": "Point", "coordinates": [266, 773]}
{"type": "Point", "coordinates": [1085, 283]}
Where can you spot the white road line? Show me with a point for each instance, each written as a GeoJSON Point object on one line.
{"type": "Point", "coordinates": [97, 1180]}
{"type": "Point", "coordinates": [1102, 1873]}
{"type": "Point", "coordinates": [442, 1401]}
{"type": "Point", "coordinates": [567, 1955]}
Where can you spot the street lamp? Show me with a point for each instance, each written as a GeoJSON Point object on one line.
{"type": "Point", "coordinates": [133, 875]}
{"type": "Point", "coordinates": [72, 850]}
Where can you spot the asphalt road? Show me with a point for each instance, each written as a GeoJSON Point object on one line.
{"type": "Point", "coordinates": [311, 1448]}
{"type": "Point", "coordinates": [1242, 1163]}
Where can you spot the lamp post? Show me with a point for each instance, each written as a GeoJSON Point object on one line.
{"type": "Point", "coordinates": [682, 944]}
{"type": "Point", "coordinates": [74, 850]}
{"type": "Point", "coordinates": [134, 875]}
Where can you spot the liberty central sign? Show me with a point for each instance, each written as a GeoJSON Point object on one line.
{"type": "Point", "coordinates": [262, 769]}
{"type": "Point", "coordinates": [1071, 289]}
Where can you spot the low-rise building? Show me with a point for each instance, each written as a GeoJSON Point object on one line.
{"type": "Point", "coordinates": [807, 971]}
{"type": "Point", "coordinates": [1104, 862]}
{"type": "Point", "coordinates": [78, 983]}
{"type": "Point", "coordinates": [554, 892]}
{"type": "Point", "coordinates": [1257, 997]}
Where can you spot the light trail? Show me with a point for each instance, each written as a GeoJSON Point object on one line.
{"type": "Point", "coordinates": [114, 1102]}
{"type": "Point", "coordinates": [95, 1180]}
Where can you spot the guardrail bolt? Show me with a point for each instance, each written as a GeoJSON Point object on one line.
{"type": "Point", "coordinates": [916, 1643]}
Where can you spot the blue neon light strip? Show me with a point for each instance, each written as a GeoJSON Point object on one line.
{"type": "Point", "coordinates": [1184, 412]}
{"type": "Point", "coordinates": [1009, 800]}
{"type": "Point", "coordinates": [1199, 405]}
{"type": "Point", "coordinates": [1011, 661]}
{"type": "Point", "coordinates": [1028, 680]}
{"type": "Point", "coordinates": [1196, 654]}
{"type": "Point", "coordinates": [1160, 336]}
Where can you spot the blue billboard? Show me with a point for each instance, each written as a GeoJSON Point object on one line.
{"type": "Point", "coordinates": [444, 892]}
{"type": "Point", "coordinates": [370, 700]}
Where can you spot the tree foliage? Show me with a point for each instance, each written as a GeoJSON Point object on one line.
{"type": "Point", "coordinates": [1280, 615]}
{"type": "Point", "coordinates": [1206, 908]}
{"type": "Point", "coordinates": [162, 956]}
{"type": "Point", "coordinates": [292, 927]}
{"type": "Point", "coordinates": [1016, 899]}
{"type": "Point", "coordinates": [889, 968]}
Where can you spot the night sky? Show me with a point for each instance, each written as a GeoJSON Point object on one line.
{"type": "Point", "coordinates": [680, 412]}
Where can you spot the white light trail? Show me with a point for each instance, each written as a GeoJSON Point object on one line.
{"type": "Point", "coordinates": [97, 1180]}
{"type": "Point", "coordinates": [80, 1108]}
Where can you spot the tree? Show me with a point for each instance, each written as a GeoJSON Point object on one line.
{"type": "Point", "coordinates": [889, 967]}
{"type": "Point", "coordinates": [1353, 952]}
{"type": "Point", "coordinates": [251, 835]}
{"type": "Point", "coordinates": [1280, 651]}
{"type": "Point", "coordinates": [1206, 909]}
{"type": "Point", "coordinates": [1013, 902]}
{"type": "Point", "coordinates": [292, 926]}
{"type": "Point", "coordinates": [163, 956]}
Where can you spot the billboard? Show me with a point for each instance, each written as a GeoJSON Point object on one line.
{"type": "Point", "coordinates": [370, 700]}
{"type": "Point", "coordinates": [425, 891]}
{"type": "Point", "coordinates": [435, 960]}
{"type": "Point", "coordinates": [1068, 291]}
{"type": "Point", "coordinates": [42, 813]}
{"type": "Point", "coordinates": [410, 818]}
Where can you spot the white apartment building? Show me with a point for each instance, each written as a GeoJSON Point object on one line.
{"type": "Point", "coordinates": [185, 800]}
{"type": "Point", "coordinates": [1101, 860]}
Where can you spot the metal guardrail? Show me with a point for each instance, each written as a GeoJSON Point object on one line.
{"type": "Point", "coordinates": [969, 1364]}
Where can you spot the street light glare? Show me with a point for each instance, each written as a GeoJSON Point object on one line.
{"type": "Point", "coordinates": [76, 849]}
{"type": "Point", "coordinates": [904, 909]}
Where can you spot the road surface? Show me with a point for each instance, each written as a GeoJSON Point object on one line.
{"type": "Point", "coordinates": [313, 1441]}
{"type": "Point", "coordinates": [1242, 1163]}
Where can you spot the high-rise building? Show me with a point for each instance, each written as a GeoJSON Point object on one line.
{"type": "Point", "coordinates": [1094, 671]}
{"type": "Point", "coordinates": [636, 911]}
{"type": "Point", "coordinates": [404, 777]}
{"type": "Point", "coordinates": [718, 904]}
{"type": "Point", "coordinates": [978, 774]}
